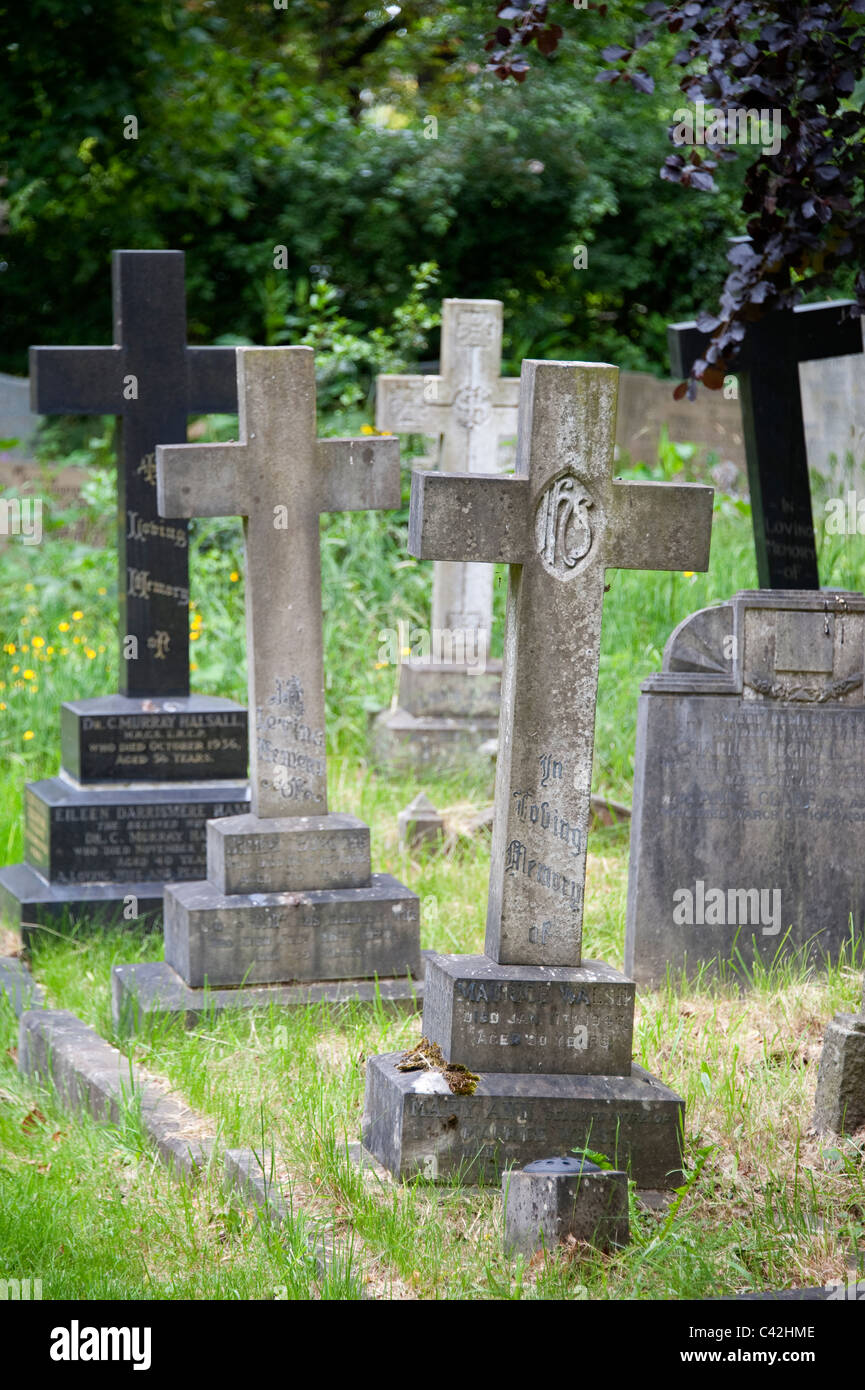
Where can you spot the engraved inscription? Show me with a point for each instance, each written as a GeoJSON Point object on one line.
{"type": "Point", "coordinates": [563, 532]}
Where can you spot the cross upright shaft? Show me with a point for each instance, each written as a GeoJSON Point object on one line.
{"type": "Point", "coordinates": [559, 523]}
{"type": "Point", "coordinates": [279, 478]}
{"type": "Point", "coordinates": [469, 407]}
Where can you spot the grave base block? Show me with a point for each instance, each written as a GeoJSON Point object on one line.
{"type": "Point", "coordinates": [117, 832]}
{"type": "Point", "coordinates": [144, 994]}
{"type": "Point", "coordinates": [28, 901]}
{"type": "Point", "coordinates": [284, 938]}
{"type": "Point", "coordinates": [402, 742]}
{"type": "Point", "coordinates": [839, 1105]}
{"type": "Point", "coordinates": [414, 1125]}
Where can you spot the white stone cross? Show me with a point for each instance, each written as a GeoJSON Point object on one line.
{"type": "Point", "coordinates": [279, 477]}
{"type": "Point", "coordinates": [469, 407]}
{"type": "Point", "coordinates": [559, 523]}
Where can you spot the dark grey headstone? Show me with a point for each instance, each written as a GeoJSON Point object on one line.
{"type": "Point", "coordinates": [117, 739]}
{"type": "Point", "coordinates": [749, 810]}
{"type": "Point", "coordinates": [839, 1105]}
{"type": "Point", "coordinates": [547, 1201]}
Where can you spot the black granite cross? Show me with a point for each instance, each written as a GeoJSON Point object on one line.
{"type": "Point", "coordinates": [773, 429]}
{"type": "Point", "coordinates": [151, 381]}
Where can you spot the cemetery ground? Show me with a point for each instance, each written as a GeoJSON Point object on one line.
{"type": "Point", "coordinates": [90, 1211]}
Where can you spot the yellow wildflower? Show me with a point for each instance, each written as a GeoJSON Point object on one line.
{"type": "Point", "coordinates": [29, 675]}
{"type": "Point", "coordinates": [77, 614]}
{"type": "Point", "coordinates": [38, 641]}
{"type": "Point", "coordinates": [28, 734]}
{"type": "Point", "coordinates": [63, 627]}
{"type": "Point", "coordinates": [234, 576]}
{"type": "Point", "coordinates": [89, 653]}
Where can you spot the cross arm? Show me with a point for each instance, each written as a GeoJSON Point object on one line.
{"type": "Point", "coordinates": [659, 526]}
{"type": "Point", "coordinates": [400, 404]}
{"type": "Point", "coordinates": [200, 480]}
{"type": "Point", "coordinates": [211, 380]}
{"type": "Point", "coordinates": [76, 380]}
{"type": "Point", "coordinates": [815, 331]}
{"type": "Point", "coordinates": [359, 475]}
{"type": "Point", "coordinates": [507, 395]}
{"type": "Point", "coordinates": [827, 330]}
{"type": "Point", "coordinates": [468, 516]}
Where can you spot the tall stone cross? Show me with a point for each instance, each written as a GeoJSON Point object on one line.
{"type": "Point", "coordinates": [469, 407]}
{"type": "Point", "coordinates": [280, 478]}
{"type": "Point", "coordinates": [773, 428]}
{"type": "Point", "coordinates": [559, 523]}
{"type": "Point", "coordinates": [151, 381]}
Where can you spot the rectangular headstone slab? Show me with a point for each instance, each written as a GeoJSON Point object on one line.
{"type": "Point", "coordinates": [114, 738]}
{"type": "Point", "coordinates": [18, 986]}
{"type": "Point", "coordinates": [271, 938]}
{"type": "Point", "coordinates": [524, 1018]}
{"type": "Point", "coordinates": [123, 833]}
{"type": "Point", "coordinates": [748, 829]}
{"type": "Point", "coordinates": [29, 902]}
{"type": "Point", "coordinates": [252, 854]}
{"type": "Point", "coordinates": [414, 1125]}
{"type": "Point", "coordinates": [152, 992]}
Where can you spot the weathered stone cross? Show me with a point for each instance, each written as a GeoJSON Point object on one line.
{"type": "Point", "coordinates": [279, 478]}
{"type": "Point", "coordinates": [560, 523]}
{"type": "Point", "coordinates": [151, 381]}
{"type": "Point", "coordinates": [470, 407]}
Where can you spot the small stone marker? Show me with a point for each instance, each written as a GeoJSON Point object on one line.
{"type": "Point", "coordinates": [143, 770]}
{"type": "Point", "coordinates": [549, 1033]}
{"type": "Point", "coordinates": [554, 1198]}
{"type": "Point", "coordinates": [420, 824]}
{"type": "Point", "coordinates": [839, 1105]}
{"type": "Point", "coordinates": [747, 836]}
{"type": "Point", "coordinates": [289, 894]}
{"type": "Point", "coordinates": [447, 704]}
{"type": "Point", "coordinates": [773, 426]}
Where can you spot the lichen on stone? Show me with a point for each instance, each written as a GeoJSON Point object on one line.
{"type": "Point", "coordinates": [428, 1056]}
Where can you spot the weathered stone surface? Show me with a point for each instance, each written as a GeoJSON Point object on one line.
{"type": "Point", "coordinates": [562, 515]}
{"type": "Point", "coordinates": [89, 1074]}
{"type": "Point", "coordinates": [450, 691]}
{"type": "Point", "coordinates": [470, 409]}
{"type": "Point", "coordinates": [30, 903]}
{"type": "Point", "coordinates": [523, 1018]}
{"type": "Point", "coordinates": [403, 742]}
{"type": "Point", "coordinates": [419, 823]}
{"type": "Point", "coordinates": [146, 993]}
{"type": "Point", "coordinates": [414, 1125]}
{"type": "Point", "coordinates": [253, 1176]}
{"type": "Point", "coordinates": [280, 478]}
{"type": "Point", "coordinates": [259, 938]}
{"type": "Point", "coordinates": [748, 829]}
{"type": "Point", "coordinates": [247, 854]}
{"type": "Point", "coordinates": [839, 1105]}
{"type": "Point", "coordinates": [114, 738]}
{"type": "Point", "coordinates": [543, 1207]}
{"type": "Point", "coordinates": [120, 833]}
{"type": "Point", "coordinates": [18, 986]}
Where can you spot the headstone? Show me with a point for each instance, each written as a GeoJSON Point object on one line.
{"type": "Point", "coordinates": [773, 426]}
{"type": "Point", "coordinates": [554, 1198]}
{"type": "Point", "coordinates": [839, 1105]}
{"type": "Point", "coordinates": [143, 770]}
{"type": "Point", "coordinates": [548, 1032]}
{"type": "Point", "coordinates": [289, 895]}
{"type": "Point", "coordinates": [748, 827]}
{"type": "Point", "coordinates": [420, 824]}
{"type": "Point", "coordinates": [18, 423]}
{"type": "Point", "coordinates": [447, 698]}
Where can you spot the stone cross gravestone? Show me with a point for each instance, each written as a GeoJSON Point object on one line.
{"type": "Point", "coordinates": [748, 829]}
{"type": "Point", "coordinates": [549, 1033]}
{"type": "Point", "coordinates": [773, 427]}
{"type": "Point", "coordinates": [143, 770]}
{"type": "Point", "coordinates": [289, 895]}
{"type": "Point", "coordinates": [447, 701]}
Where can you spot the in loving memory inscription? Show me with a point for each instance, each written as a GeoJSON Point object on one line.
{"type": "Point", "coordinates": [559, 523]}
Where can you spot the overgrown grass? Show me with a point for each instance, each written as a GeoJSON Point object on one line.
{"type": "Point", "coordinates": [89, 1211]}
